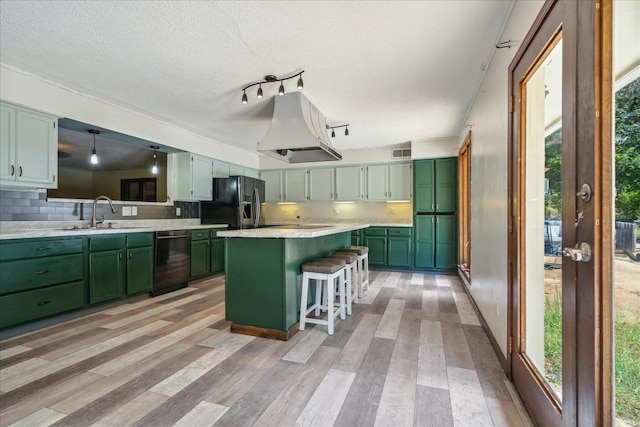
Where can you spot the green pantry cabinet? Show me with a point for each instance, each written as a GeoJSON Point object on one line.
{"type": "Point", "coordinates": [435, 206]}
{"type": "Point", "coordinates": [207, 252]}
{"type": "Point", "coordinates": [389, 246]}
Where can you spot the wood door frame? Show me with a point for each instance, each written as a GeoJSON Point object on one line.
{"type": "Point", "coordinates": [464, 204]}
{"type": "Point", "coordinates": [587, 117]}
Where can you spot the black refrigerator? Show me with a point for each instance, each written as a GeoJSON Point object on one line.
{"type": "Point", "coordinates": [236, 202]}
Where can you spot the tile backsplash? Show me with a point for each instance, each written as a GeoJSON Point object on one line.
{"type": "Point", "coordinates": [325, 212]}
{"type": "Point", "coordinates": [32, 205]}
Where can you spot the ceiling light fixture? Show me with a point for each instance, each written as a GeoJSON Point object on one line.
{"type": "Point", "coordinates": [333, 132]}
{"type": "Point", "coordinates": [272, 79]}
{"type": "Point", "coordinates": [94, 155]}
{"type": "Point", "coordinates": [154, 168]}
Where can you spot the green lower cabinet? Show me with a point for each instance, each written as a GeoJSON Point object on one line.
{"type": "Point", "coordinates": [140, 267]}
{"type": "Point", "coordinates": [377, 250]}
{"type": "Point", "coordinates": [216, 263]}
{"type": "Point", "coordinates": [424, 241]}
{"type": "Point", "coordinates": [106, 276]}
{"type": "Point", "coordinates": [399, 252]}
{"type": "Point", "coordinates": [200, 258]}
{"type": "Point", "coordinates": [446, 242]}
{"type": "Point", "coordinates": [30, 305]}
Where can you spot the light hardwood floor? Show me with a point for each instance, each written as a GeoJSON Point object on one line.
{"type": "Point", "coordinates": [412, 354]}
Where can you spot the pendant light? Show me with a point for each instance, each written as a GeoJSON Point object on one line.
{"type": "Point", "coordinates": [154, 168]}
{"type": "Point", "coordinates": [94, 155]}
{"type": "Point", "coordinates": [281, 89]}
{"type": "Point", "coordinates": [244, 97]}
{"type": "Point", "coordinates": [300, 83]}
{"type": "Point", "coordinates": [260, 91]}
{"type": "Point", "coordinates": [333, 129]}
{"type": "Point", "coordinates": [270, 78]}
{"type": "Point", "coordinates": [346, 131]}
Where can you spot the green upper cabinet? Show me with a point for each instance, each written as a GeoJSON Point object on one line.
{"type": "Point", "coordinates": [220, 169]}
{"type": "Point", "coordinates": [350, 183]}
{"type": "Point", "coordinates": [424, 186]}
{"type": "Point", "coordinates": [321, 184]}
{"type": "Point", "coordinates": [295, 185]}
{"type": "Point", "coordinates": [446, 184]}
{"type": "Point", "coordinates": [377, 183]}
{"type": "Point", "coordinates": [28, 147]}
{"type": "Point", "coordinates": [435, 185]}
{"type": "Point", "coordinates": [193, 176]}
{"type": "Point", "coordinates": [400, 181]}
{"type": "Point", "coordinates": [272, 185]}
{"type": "Point", "coordinates": [446, 242]}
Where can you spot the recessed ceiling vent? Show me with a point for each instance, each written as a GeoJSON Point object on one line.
{"type": "Point", "coordinates": [402, 153]}
{"type": "Point", "coordinates": [298, 132]}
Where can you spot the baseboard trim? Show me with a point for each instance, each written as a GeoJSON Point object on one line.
{"type": "Point", "coordinates": [256, 331]}
{"type": "Point", "coordinates": [485, 326]}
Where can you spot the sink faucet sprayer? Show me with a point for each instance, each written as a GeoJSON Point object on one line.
{"type": "Point", "coordinates": [94, 222]}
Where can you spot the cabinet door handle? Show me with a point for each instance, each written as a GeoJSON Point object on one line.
{"type": "Point", "coordinates": [20, 169]}
{"type": "Point", "coordinates": [13, 170]}
{"type": "Point", "coordinates": [432, 208]}
{"type": "Point", "coordinates": [42, 272]}
{"type": "Point", "coordinates": [120, 257]}
{"type": "Point", "coordinates": [129, 255]}
{"type": "Point", "coordinates": [43, 302]}
{"type": "Point", "coordinates": [42, 249]}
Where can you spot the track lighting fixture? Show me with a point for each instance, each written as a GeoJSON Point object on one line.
{"type": "Point", "coordinates": [94, 154]}
{"type": "Point", "coordinates": [154, 168]}
{"type": "Point", "coordinates": [333, 132]}
{"type": "Point", "coordinates": [272, 79]}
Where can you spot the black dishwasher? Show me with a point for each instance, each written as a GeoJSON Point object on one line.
{"type": "Point", "coordinates": [173, 261]}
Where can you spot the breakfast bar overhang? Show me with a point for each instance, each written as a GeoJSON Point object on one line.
{"type": "Point", "coordinates": [263, 277]}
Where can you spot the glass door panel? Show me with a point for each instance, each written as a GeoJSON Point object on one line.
{"type": "Point", "coordinates": [542, 213]}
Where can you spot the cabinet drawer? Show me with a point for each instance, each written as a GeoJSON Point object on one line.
{"type": "Point", "coordinates": [199, 234]}
{"type": "Point", "coordinates": [399, 231]}
{"type": "Point", "coordinates": [99, 244]}
{"type": "Point", "coordinates": [139, 239]}
{"type": "Point", "coordinates": [375, 231]}
{"type": "Point", "coordinates": [30, 305]}
{"type": "Point", "coordinates": [39, 248]}
{"type": "Point", "coordinates": [38, 272]}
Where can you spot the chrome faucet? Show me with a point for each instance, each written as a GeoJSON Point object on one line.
{"type": "Point", "coordinates": [94, 222]}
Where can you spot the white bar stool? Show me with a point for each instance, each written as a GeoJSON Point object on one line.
{"type": "Point", "coordinates": [351, 273]}
{"type": "Point", "coordinates": [363, 266]}
{"type": "Point", "coordinates": [325, 273]}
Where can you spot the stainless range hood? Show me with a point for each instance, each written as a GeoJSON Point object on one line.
{"type": "Point", "coordinates": [298, 132]}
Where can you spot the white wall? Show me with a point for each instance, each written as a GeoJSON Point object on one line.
{"type": "Point", "coordinates": [434, 148]}
{"type": "Point", "coordinates": [489, 164]}
{"type": "Point", "coordinates": [38, 94]}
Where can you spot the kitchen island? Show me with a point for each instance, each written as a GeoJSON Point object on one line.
{"type": "Point", "coordinates": [263, 277]}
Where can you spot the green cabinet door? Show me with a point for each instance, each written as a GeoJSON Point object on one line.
{"type": "Point", "coordinates": [399, 252]}
{"type": "Point", "coordinates": [377, 250]}
{"type": "Point", "coordinates": [139, 269]}
{"type": "Point", "coordinates": [106, 276]}
{"type": "Point", "coordinates": [446, 242]}
{"type": "Point", "coordinates": [424, 186]}
{"type": "Point", "coordinates": [200, 258]}
{"type": "Point", "coordinates": [217, 255]}
{"type": "Point", "coordinates": [446, 185]}
{"type": "Point", "coordinates": [424, 226]}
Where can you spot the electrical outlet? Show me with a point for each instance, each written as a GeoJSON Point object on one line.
{"type": "Point", "coordinates": [177, 211]}
{"type": "Point", "coordinates": [337, 211]}
{"type": "Point", "coordinates": [134, 211]}
{"type": "Point", "coordinates": [126, 211]}
{"type": "Point", "coordinates": [392, 211]}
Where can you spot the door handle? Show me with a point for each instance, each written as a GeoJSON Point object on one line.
{"type": "Point", "coordinates": [580, 253]}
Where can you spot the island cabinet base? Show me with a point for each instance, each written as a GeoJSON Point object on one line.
{"type": "Point", "coordinates": [273, 334]}
{"type": "Point", "coordinates": [263, 280]}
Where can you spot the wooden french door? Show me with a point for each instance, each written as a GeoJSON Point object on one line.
{"type": "Point", "coordinates": [560, 215]}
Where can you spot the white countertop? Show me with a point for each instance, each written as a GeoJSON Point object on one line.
{"type": "Point", "coordinates": [293, 231]}
{"type": "Point", "coordinates": [66, 228]}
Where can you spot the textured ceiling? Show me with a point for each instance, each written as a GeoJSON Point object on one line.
{"type": "Point", "coordinates": [395, 71]}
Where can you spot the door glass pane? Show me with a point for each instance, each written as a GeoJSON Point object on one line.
{"type": "Point", "coordinates": [626, 257]}
{"type": "Point", "coordinates": [542, 219]}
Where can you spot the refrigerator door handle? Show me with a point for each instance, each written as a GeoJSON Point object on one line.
{"type": "Point", "coordinates": [256, 207]}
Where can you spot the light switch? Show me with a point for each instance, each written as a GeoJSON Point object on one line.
{"type": "Point", "coordinates": [134, 210]}
{"type": "Point", "coordinates": [126, 211]}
